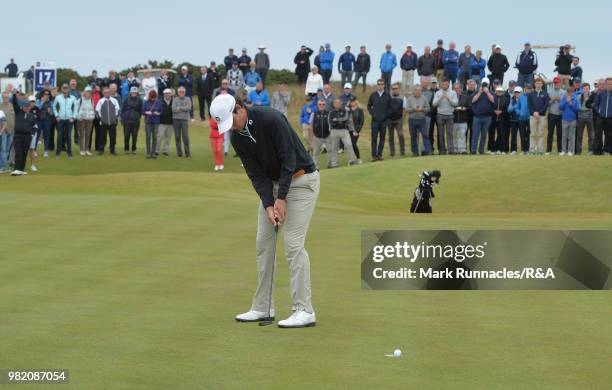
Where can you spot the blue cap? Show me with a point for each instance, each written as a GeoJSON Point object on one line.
{"type": "Point", "coordinates": [527, 44]}
{"type": "Point", "coordinates": [327, 45]}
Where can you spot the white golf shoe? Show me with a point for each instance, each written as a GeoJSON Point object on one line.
{"type": "Point", "coordinates": [254, 316]}
{"type": "Point", "coordinates": [299, 319]}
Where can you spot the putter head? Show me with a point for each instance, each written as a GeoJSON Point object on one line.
{"type": "Point", "coordinates": [265, 322]}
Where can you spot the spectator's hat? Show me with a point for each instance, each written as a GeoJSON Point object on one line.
{"type": "Point", "coordinates": [348, 85]}
{"type": "Point", "coordinates": [222, 108]}
{"type": "Point", "coordinates": [557, 80]}
{"type": "Point", "coordinates": [347, 45]}
{"type": "Point", "coordinates": [518, 89]}
{"type": "Point", "coordinates": [319, 89]}
{"type": "Point", "coordinates": [184, 67]}
{"type": "Point", "coordinates": [527, 44]}
{"type": "Point", "coordinates": [433, 80]}
{"type": "Point", "coordinates": [64, 86]}
{"type": "Point", "coordinates": [167, 90]}
{"type": "Point", "coordinates": [87, 89]}
{"type": "Point", "coordinates": [440, 42]}
{"type": "Point", "coordinates": [497, 47]}
{"type": "Point", "coordinates": [409, 44]}
{"type": "Point", "coordinates": [32, 99]}
{"type": "Point", "coordinates": [244, 49]}
{"type": "Point", "coordinates": [303, 47]}
{"type": "Point", "coordinates": [262, 46]}
{"type": "Point", "coordinates": [134, 90]}
{"type": "Point", "coordinates": [327, 45]}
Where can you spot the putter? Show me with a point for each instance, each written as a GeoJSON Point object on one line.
{"type": "Point", "coordinates": [269, 321]}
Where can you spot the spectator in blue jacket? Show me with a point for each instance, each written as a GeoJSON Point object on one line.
{"type": "Point", "coordinates": [408, 63]}
{"type": "Point", "coordinates": [388, 62]}
{"type": "Point", "coordinates": [519, 111]}
{"type": "Point", "coordinates": [259, 97]}
{"type": "Point", "coordinates": [569, 107]}
{"type": "Point", "coordinates": [477, 68]}
{"type": "Point", "coordinates": [310, 106]}
{"type": "Point", "coordinates": [450, 59]}
{"type": "Point", "coordinates": [326, 59]}
{"type": "Point", "coordinates": [186, 81]}
{"type": "Point", "coordinates": [251, 78]}
{"type": "Point", "coordinates": [346, 65]}
{"type": "Point", "coordinates": [537, 101]}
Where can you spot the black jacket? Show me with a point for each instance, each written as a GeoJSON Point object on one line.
{"type": "Point", "coordinates": [25, 122]}
{"type": "Point", "coordinates": [564, 64]}
{"type": "Point", "coordinates": [216, 78]}
{"type": "Point", "coordinates": [320, 124]}
{"type": "Point", "coordinates": [461, 116]}
{"type": "Point", "coordinates": [270, 151]}
{"type": "Point", "coordinates": [165, 117]}
{"type": "Point", "coordinates": [305, 56]}
{"type": "Point", "coordinates": [500, 103]}
{"type": "Point", "coordinates": [498, 64]}
{"type": "Point", "coordinates": [426, 65]}
{"type": "Point", "coordinates": [131, 110]}
{"type": "Point", "coordinates": [163, 84]}
{"type": "Point", "coordinates": [396, 110]}
{"type": "Point", "coordinates": [379, 106]}
{"type": "Point", "coordinates": [358, 118]}
{"type": "Point", "coordinates": [205, 87]}
{"type": "Point", "coordinates": [339, 120]}
{"type": "Point", "coordinates": [228, 61]}
{"type": "Point", "coordinates": [438, 54]}
{"type": "Point", "coordinates": [244, 63]}
{"type": "Point", "coordinates": [362, 63]}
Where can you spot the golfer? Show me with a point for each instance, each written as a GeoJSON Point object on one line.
{"type": "Point", "coordinates": [287, 182]}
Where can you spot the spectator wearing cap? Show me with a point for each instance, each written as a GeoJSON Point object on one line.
{"type": "Point", "coordinates": [396, 120]}
{"type": "Point", "coordinates": [526, 63]}
{"type": "Point", "coordinates": [417, 106]}
{"type": "Point", "coordinates": [408, 64]}
{"type": "Point", "coordinates": [585, 119]}
{"type": "Point", "coordinates": [186, 81]}
{"type": "Point", "coordinates": [569, 107]}
{"type": "Point", "coordinates": [281, 98]}
{"type": "Point", "coordinates": [205, 90]}
{"type": "Point", "coordinates": [244, 61]}
{"type": "Point", "coordinates": [482, 107]}
{"type": "Point", "coordinates": [64, 109]}
{"type": "Point", "coordinates": [163, 82]}
{"type": "Point", "coordinates": [450, 59]}
{"type": "Point", "coordinates": [603, 107]}
{"type": "Point", "coordinates": [302, 64]}
{"type": "Point", "coordinates": [500, 133]}
{"type": "Point", "coordinates": [498, 65]}
{"type": "Point", "coordinates": [314, 82]}
{"type": "Point", "coordinates": [538, 102]}
{"type": "Point", "coordinates": [388, 62]}
{"type": "Point", "coordinates": [465, 60]}
{"type": "Point", "coordinates": [235, 78]}
{"type": "Point", "coordinates": [426, 66]}
{"type": "Point", "coordinates": [461, 117]}
{"type": "Point", "coordinates": [131, 111]}
{"type": "Point", "coordinates": [262, 63]}
{"type": "Point", "coordinates": [166, 124]}
{"type": "Point", "coordinates": [149, 83]}
{"type": "Point", "coordinates": [346, 65]}
{"type": "Point", "coordinates": [445, 100]}
{"type": "Point", "coordinates": [181, 107]}
{"type": "Point", "coordinates": [347, 94]}
{"type": "Point", "coordinates": [85, 116]}
{"type": "Point", "coordinates": [251, 78]}
{"type": "Point", "coordinates": [438, 54]}
{"type": "Point", "coordinates": [564, 65]}
{"type": "Point", "coordinates": [477, 68]}
{"type": "Point", "coordinates": [362, 67]}
{"type": "Point", "coordinates": [152, 110]}
{"type": "Point", "coordinates": [358, 119]}
{"type": "Point", "coordinates": [326, 59]}
{"type": "Point", "coordinates": [309, 107]}
{"type": "Point", "coordinates": [379, 105]}
{"type": "Point", "coordinates": [259, 96]}
{"type": "Point", "coordinates": [554, 115]}
{"type": "Point", "coordinates": [576, 72]}
{"type": "Point", "coordinates": [519, 108]}
{"type": "Point", "coordinates": [229, 60]}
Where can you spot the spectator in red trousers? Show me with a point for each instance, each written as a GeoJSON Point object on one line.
{"type": "Point", "coordinates": [216, 143]}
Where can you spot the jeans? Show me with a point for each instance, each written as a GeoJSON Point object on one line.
{"type": "Point", "coordinates": [524, 79]}
{"type": "Point", "coordinates": [6, 143]}
{"type": "Point", "coordinates": [445, 127]}
{"type": "Point", "coordinates": [416, 127]}
{"type": "Point", "coordinates": [554, 122]}
{"type": "Point", "coordinates": [45, 127]}
{"type": "Point", "coordinates": [568, 137]}
{"type": "Point", "coordinates": [580, 125]}
{"type": "Point", "coordinates": [514, 129]}
{"type": "Point", "coordinates": [480, 129]}
{"type": "Point", "coordinates": [64, 139]}
{"type": "Point", "coordinates": [360, 75]}
{"type": "Point", "coordinates": [151, 132]}
{"type": "Point", "coordinates": [379, 130]}
{"type": "Point", "coordinates": [396, 126]}
{"type": "Point", "coordinates": [181, 132]}
{"type": "Point", "coordinates": [354, 139]}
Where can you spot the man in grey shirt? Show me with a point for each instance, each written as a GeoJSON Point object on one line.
{"type": "Point", "coordinates": [417, 107]}
{"type": "Point", "coordinates": [281, 98]}
{"type": "Point", "coordinates": [445, 100]}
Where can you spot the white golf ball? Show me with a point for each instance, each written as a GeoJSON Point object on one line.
{"type": "Point", "coordinates": [397, 353]}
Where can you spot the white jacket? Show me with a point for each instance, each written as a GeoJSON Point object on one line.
{"type": "Point", "coordinates": [149, 83]}
{"type": "Point", "coordinates": [313, 83]}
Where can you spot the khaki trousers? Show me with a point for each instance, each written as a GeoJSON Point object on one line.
{"type": "Point", "coordinates": [164, 135]}
{"type": "Point", "coordinates": [335, 136]}
{"type": "Point", "coordinates": [306, 137]}
{"type": "Point", "coordinates": [317, 147]}
{"type": "Point", "coordinates": [301, 202]}
{"type": "Point", "coordinates": [536, 139]}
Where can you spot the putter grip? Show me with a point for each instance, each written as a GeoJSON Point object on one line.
{"type": "Point", "coordinates": [276, 226]}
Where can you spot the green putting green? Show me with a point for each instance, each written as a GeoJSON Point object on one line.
{"type": "Point", "coordinates": [128, 272]}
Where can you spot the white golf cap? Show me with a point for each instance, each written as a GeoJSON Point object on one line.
{"type": "Point", "coordinates": [32, 98]}
{"type": "Point", "coordinates": [409, 44]}
{"type": "Point", "coordinates": [497, 47]}
{"type": "Point", "coordinates": [518, 89]}
{"type": "Point", "coordinates": [262, 46]}
{"type": "Point", "coordinates": [167, 90]}
{"type": "Point", "coordinates": [222, 108]}
{"type": "Point", "coordinates": [184, 67]}
{"type": "Point", "coordinates": [348, 85]}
